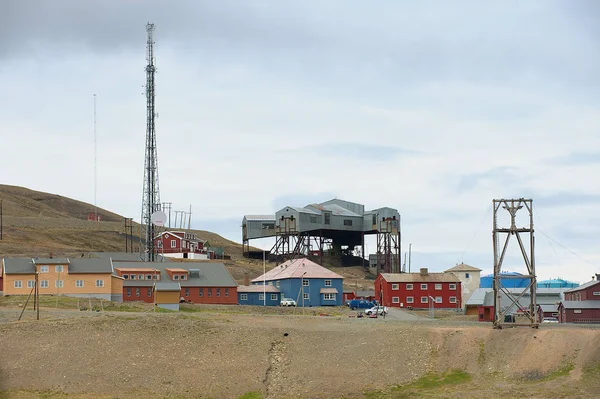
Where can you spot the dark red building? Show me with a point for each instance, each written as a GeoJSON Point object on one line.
{"type": "Point", "coordinates": [201, 282]}
{"type": "Point", "coordinates": [589, 291]}
{"type": "Point", "coordinates": [181, 242]}
{"type": "Point", "coordinates": [579, 312]}
{"type": "Point", "coordinates": [418, 290]}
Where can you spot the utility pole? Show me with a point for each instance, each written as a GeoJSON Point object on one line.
{"type": "Point", "coordinates": [37, 294]}
{"type": "Point", "coordinates": [190, 218]}
{"type": "Point", "coordinates": [95, 167]}
{"type": "Point", "coordinates": [126, 236]}
{"type": "Point", "coordinates": [1, 221]}
{"type": "Point", "coordinates": [409, 254]}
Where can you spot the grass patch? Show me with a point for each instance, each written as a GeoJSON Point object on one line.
{"type": "Point", "coordinates": [251, 395]}
{"type": "Point", "coordinates": [591, 372]}
{"type": "Point", "coordinates": [481, 357]}
{"type": "Point", "coordinates": [560, 372]}
{"type": "Point", "coordinates": [429, 383]}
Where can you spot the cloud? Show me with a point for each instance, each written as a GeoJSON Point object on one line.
{"type": "Point", "coordinates": [580, 158]}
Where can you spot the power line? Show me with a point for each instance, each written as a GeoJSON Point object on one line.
{"type": "Point", "coordinates": [487, 212]}
{"type": "Point", "coordinates": [565, 248]}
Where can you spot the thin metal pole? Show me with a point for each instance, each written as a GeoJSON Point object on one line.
{"type": "Point", "coordinates": [1, 218]}
{"type": "Point", "coordinates": [37, 293]}
{"type": "Point", "coordinates": [264, 280]}
{"type": "Point", "coordinates": [409, 255]}
{"type": "Point", "coordinates": [95, 165]}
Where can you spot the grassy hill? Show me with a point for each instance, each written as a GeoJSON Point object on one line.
{"type": "Point", "coordinates": [38, 223]}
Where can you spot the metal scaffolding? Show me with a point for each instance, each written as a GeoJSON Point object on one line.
{"type": "Point", "coordinates": [517, 309]}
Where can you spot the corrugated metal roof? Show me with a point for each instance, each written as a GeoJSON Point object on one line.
{"type": "Point", "coordinates": [549, 307]}
{"type": "Point", "coordinates": [328, 291]}
{"type": "Point", "coordinates": [477, 297]}
{"type": "Point", "coordinates": [584, 286]}
{"type": "Point", "coordinates": [581, 304]}
{"type": "Point", "coordinates": [296, 269]}
{"type": "Point", "coordinates": [418, 278]}
{"type": "Point", "coordinates": [167, 287]}
{"type": "Point", "coordinates": [545, 296]}
{"type": "Point", "coordinates": [258, 288]}
{"type": "Point", "coordinates": [303, 210]}
{"type": "Point", "coordinates": [201, 274]}
{"type": "Point", "coordinates": [463, 267]}
{"type": "Point", "coordinates": [266, 218]}
{"type": "Point", "coordinates": [18, 266]}
{"type": "Point", "coordinates": [335, 209]}
{"type": "Point", "coordinates": [83, 265]}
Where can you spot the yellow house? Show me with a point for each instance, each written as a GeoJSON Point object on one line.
{"type": "Point", "coordinates": [78, 277]}
{"type": "Point", "coordinates": [167, 295]}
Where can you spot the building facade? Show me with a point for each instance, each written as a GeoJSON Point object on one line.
{"type": "Point", "coordinates": [259, 295]}
{"type": "Point", "coordinates": [585, 312]}
{"type": "Point", "coordinates": [183, 245]}
{"type": "Point", "coordinates": [589, 291]}
{"type": "Point", "coordinates": [418, 290]}
{"type": "Point", "coordinates": [470, 278]}
{"type": "Point", "coordinates": [306, 282]}
{"type": "Point", "coordinates": [200, 282]}
{"type": "Point", "coordinates": [78, 277]}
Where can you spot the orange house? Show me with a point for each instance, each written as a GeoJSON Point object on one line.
{"type": "Point", "coordinates": [79, 277]}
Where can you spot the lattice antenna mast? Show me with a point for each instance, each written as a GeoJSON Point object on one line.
{"type": "Point", "coordinates": [151, 197]}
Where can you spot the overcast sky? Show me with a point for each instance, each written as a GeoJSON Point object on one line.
{"type": "Point", "coordinates": [432, 108]}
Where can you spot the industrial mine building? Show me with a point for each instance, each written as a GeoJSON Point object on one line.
{"type": "Point", "coordinates": [331, 228]}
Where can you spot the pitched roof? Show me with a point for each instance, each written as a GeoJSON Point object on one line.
{"type": "Point", "coordinates": [485, 296]}
{"type": "Point", "coordinates": [120, 256]}
{"type": "Point", "coordinates": [266, 218]}
{"type": "Point", "coordinates": [167, 287]}
{"type": "Point", "coordinates": [595, 304]}
{"type": "Point", "coordinates": [82, 265]}
{"type": "Point", "coordinates": [201, 274]}
{"type": "Point", "coordinates": [257, 288]}
{"type": "Point", "coordinates": [18, 266]}
{"type": "Point", "coordinates": [584, 286]}
{"type": "Point", "coordinates": [418, 278]}
{"type": "Point", "coordinates": [51, 261]}
{"type": "Point", "coordinates": [463, 267]}
{"type": "Point", "coordinates": [297, 268]}
{"type": "Point", "coordinates": [549, 307]}
{"type": "Point", "coordinates": [328, 290]}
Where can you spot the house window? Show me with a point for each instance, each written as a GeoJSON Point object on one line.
{"type": "Point", "coordinates": [243, 297]}
{"type": "Point", "coordinates": [30, 283]}
{"type": "Point", "coordinates": [148, 277]}
{"type": "Point", "coordinates": [596, 293]}
{"type": "Point", "coordinates": [554, 314]}
{"type": "Point", "coordinates": [327, 283]}
{"type": "Point", "coordinates": [226, 292]}
{"type": "Point", "coordinates": [99, 283]}
{"type": "Point", "coordinates": [44, 269]}
{"type": "Point", "coordinates": [187, 292]}
{"type": "Point", "coordinates": [452, 286]}
{"type": "Point", "coordinates": [173, 243]}
{"type": "Point", "coordinates": [132, 277]}
{"type": "Point", "coordinates": [438, 287]}
{"type": "Point", "coordinates": [395, 287]}
{"type": "Point", "coordinates": [184, 277]}
{"type": "Point", "coordinates": [467, 275]}
{"type": "Point", "coordinates": [438, 299]}
{"type": "Point", "coordinates": [409, 286]}
{"type": "Point", "coordinates": [126, 276]}
{"type": "Point", "coordinates": [140, 276]}
{"type": "Point", "coordinates": [159, 244]}
{"type": "Point", "coordinates": [149, 292]}
{"type": "Point", "coordinates": [44, 284]}
{"type": "Point", "coordinates": [209, 291]}
{"type": "Point", "coordinates": [58, 268]}
{"type": "Point", "coordinates": [273, 297]}
{"type": "Point", "coordinates": [268, 226]}
{"type": "Point", "coordinates": [313, 219]}
{"type": "Point", "coordinates": [18, 284]}
{"type": "Point", "coordinates": [137, 292]}
{"type": "Point", "coordinates": [424, 299]}
{"type": "Point", "coordinates": [327, 217]}
{"type": "Point", "coordinates": [410, 299]}
{"type": "Point", "coordinates": [218, 292]}
{"type": "Point", "coordinates": [347, 222]}
{"type": "Point", "coordinates": [129, 292]}
{"type": "Point", "coordinates": [156, 277]}
{"type": "Point", "coordinates": [261, 297]}
{"type": "Point", "coordinates": [452, 299]}
{"type": "Point", "coordinates": [278, 284]}
{"type": "Point", "coordinates": [200, 292]}
{"type": "Point", "coordinates": [423, 286]}
{"type": "Point", "coordinates": [176, 277]}
{"type": "Point", "coordinates": [58, 283]}
{"type": "Point", "coordinates": [305, 296]}
{"type": "Point", "coordinates": [395, 299]}
{"type": "Point", "coordinates": [329, 297]}
{"type": "Point", "coordinates": [374, 220]}
{"type": "Point", "coordinates": [305, 282]}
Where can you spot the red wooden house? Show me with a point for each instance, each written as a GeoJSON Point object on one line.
{"type": "Point", "coordinates": [581, 304]}
{"type": "Point", "coordinates": [181, 244]}
{"type": "Point", "coordinates": [418, 290]}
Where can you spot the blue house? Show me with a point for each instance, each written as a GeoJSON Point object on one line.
{"type": "Point", "coordinates": [258, 295]}
{"type": "Point", "coordinates": [306, 282]}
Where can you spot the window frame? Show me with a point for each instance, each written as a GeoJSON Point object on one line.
{"type": "Point", "coordinates": [306, 296]}
{"type": "Point", "coordinates": [305, 282]}
{"type": "Point", "coordinates": [438, 299]}
{"type": "Point", "coordinates": [44, 269]}
{"type": "Point", "coordinates": [424, 286]}
{"type": "Point", "coordinates": [438, 287]}
{"type": "Point", "coordinates": [395, 287]}
{"type": "Point", "coordinates": [329, 297]}
{"type": "Point", "coordinates": [409, 287]}
{"type": "Point", "coordinates": [452, 299]}
{"type": "Point", "coordinates": [44, 283]}
{"type": "Point", "coordinates": [17, 284]}
{"type": "Point", "coordinates": [273, 297]}
{"type": "Point", "coordinates": [261, 296]}
{"type": "Point", "coordinates": [30, 283]}
{"type": "Point", "coordinates": [452, 286]}
{"type": "Point", "coordinates": [410, 299]}
{"type": "Point", "coordinates": [395, 299]}
{"type": "Point", "coordinates": [99, 283]}
{"type": "Point", "coordinates": [173, 243]}
{"type": "Point", "coordinates": [59, 268]}
{"type": "Point", "coordinates": [243, 297]}
{"type": "Point", "coordinates": [327, 281]}
{"type": "Point", "coordinates": [424, 299]}
{"type": "Point", "coordinates": [59, 283]}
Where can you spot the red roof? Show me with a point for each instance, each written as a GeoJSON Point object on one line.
{"type": "Point", "coordinates": [297, 268]}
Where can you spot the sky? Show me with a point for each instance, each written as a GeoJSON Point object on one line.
{"type": "Point", "coordinates": [431, 108]}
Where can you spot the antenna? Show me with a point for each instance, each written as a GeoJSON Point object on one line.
{"type": "Point", "coordinates": [151, 197]}
{"type": "Point", "coordinates": [95, 165]}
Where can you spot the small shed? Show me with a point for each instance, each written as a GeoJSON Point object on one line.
{"type": "Point", "coordinates": [254, 295]}
{"type": "Point", "coordinates": [166, 295]}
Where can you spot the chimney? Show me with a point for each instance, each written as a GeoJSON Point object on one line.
{"type": "Point", "coordinates": [424, 271]}
{"type": "Point", "coordinates": [50, 255]}
{"type": "Point", "coordinates": [246, 280]}
{"type": "Point", "coordinates": [597, 276]}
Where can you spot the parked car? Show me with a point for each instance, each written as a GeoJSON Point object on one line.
{"type": "Point", "coordinates": [361, 304]}
{"type": "Point", "coordinates": [550, 320]}
{"type": "Point", "coordinates": [287, 302]}
{"type": "Point", "coordinates": [378, 310]}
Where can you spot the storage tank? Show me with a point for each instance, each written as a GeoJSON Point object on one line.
{"type": "Point", "coordinates": [513, 282]}
{"type": "Point", "coordinates": [556, 283]}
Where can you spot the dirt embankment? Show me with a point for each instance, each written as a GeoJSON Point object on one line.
{"type": "Point", "coordinates": [225, 356]}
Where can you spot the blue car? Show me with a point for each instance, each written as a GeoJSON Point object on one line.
{"type": "Point", "coordinates": [361, 304]}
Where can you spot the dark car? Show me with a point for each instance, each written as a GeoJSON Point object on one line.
{"type": "Point", "coordinates": [361, 304]}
